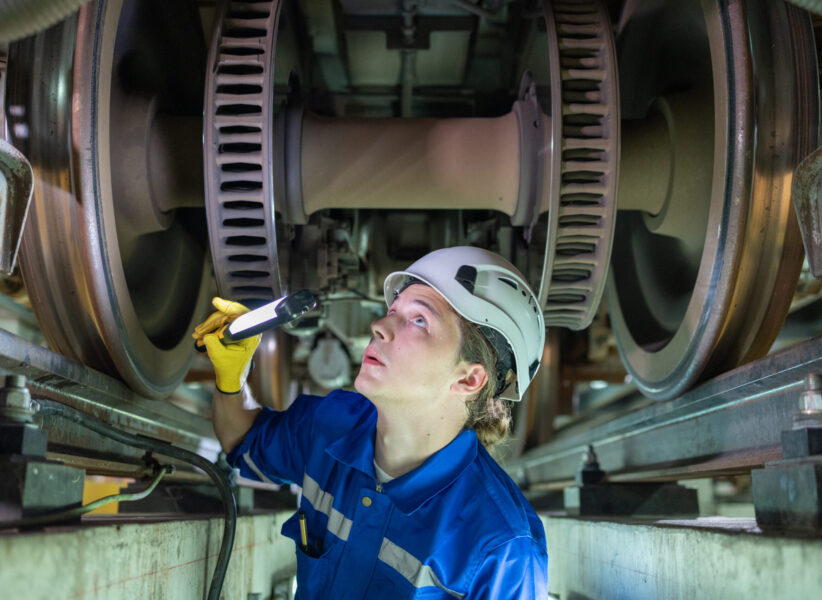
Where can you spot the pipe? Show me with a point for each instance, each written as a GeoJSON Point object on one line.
{"type": "Point", "coordinates": [468, 163]}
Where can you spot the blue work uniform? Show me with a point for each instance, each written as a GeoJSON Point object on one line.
{"type": "Point", "coordinates": [455, 527]}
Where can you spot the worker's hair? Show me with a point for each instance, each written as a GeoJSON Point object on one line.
{"type": "Point", "coordinates": [488, 416]}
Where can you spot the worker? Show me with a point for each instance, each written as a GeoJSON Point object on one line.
{"type": "Point", "coordinates": [400, 495]}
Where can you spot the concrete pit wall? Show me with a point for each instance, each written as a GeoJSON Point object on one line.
{"type": "Point", "coordinates": [710, 557]}
{"type": "Point", "coordinates": [171, 559]}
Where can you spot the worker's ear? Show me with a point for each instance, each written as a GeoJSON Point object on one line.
{"type": "Point", "coordinates": [471, 379]}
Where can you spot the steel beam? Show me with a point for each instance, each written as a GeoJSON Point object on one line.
{"type": "Point", "coordinates": [732, 423]}
{"type": "Point", "coordinates": [53, 376]}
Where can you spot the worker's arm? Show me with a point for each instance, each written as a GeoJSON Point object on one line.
{"type": "Point", "coordinates": [515, 570]}
{"type": "Point", "coordinates": [230, 417]}
{"type": "Point", "coordinates": [277, 446]}
{"type": "Point", "coordinates": [231, 365]}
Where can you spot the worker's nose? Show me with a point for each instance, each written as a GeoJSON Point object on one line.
{"type": "Point", "coordinates": [381, 329]}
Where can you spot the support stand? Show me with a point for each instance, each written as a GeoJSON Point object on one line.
{"type": "Point", "coordinates": [30, 485]}
{"type": "Point", "coordinates": [594, 496]}
{"type": "Point", "coordinates": [787, 493]}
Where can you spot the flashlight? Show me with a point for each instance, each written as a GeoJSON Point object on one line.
{"type": "Point", "coordinates": [269, 316]}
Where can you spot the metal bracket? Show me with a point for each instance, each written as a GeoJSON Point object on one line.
{"type": "Point", "coordinates": [29, 483]}
{"type": "Point", "coordinates": [16, 187]}
{"type": "Point", "coordinates": [787, 493]}
{"type": "Point", "coordinates": [806, 194]}
{"type": "Point", "coordinates": [288, 192]}
{"type": "Point", "coordinates": [16, 183]}
{"type": "Point", "coordinates": [532, 144]}
{"type": "Point", "coordinates": [595, 496]}
{"type": "Point", "coordinates": [4, 70]}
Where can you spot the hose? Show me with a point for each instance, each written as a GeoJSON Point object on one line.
{"type": "Point", "coordinates": [21, 18]}
{"type": "Point", "coordinates": [64, 515]}
{"type": "Point", "coordinates": [166, 449]}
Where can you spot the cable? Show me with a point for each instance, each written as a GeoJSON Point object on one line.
{"type": "Point", "coordinates": [63, 515]}
{"type": "Point", "coordinates": [166, 449]}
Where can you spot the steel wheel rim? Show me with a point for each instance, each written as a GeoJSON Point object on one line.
{"type": "Point", "coordinates": [728, 321]}
{"type": "Point", "coordinates": [86, 311]}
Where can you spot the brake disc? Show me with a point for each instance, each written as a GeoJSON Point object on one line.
{"type": "Point", "coordinates": [240, 159]}
{"type": "Point", "coordinates": [581, 207]}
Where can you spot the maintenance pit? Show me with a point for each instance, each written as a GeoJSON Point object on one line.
{"type": "Point", "coordinates": [651, 166]}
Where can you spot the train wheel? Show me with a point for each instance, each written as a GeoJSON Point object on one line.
{"type": "Point", "coordinates": [107, 105]}
{"type": "Point", "coordinates": [720, 103]}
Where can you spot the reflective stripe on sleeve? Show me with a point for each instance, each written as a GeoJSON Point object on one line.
{"type": "Point", "coordinates": [407, 565]}
{"type": "Point", "coordinates": [323, 502]}
{"type": "Point", "coordinates": [253, 467]}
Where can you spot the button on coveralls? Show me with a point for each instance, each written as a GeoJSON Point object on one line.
{"type": "Point", "coordinates": [455, 527]}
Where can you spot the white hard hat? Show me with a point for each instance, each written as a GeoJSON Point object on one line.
{"type": "Point", "coordinates": [487, 290]}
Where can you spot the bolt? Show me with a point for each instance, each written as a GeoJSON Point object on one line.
{"type": "Point", "coordinates": [15, 400]}
{"type": "Point", "coordinates": [590, 471]}
{"type": "Point", "coordinates": [589, 457]}
{"type": "Point", "coordinates": [810, 404]}
{"type": "Point", "coordinates": [811, 398]}
{"type": "Point", "coordinates": [15, 381]}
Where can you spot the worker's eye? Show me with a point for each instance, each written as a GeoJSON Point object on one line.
{"type": "Point", "coordinates": [420, 322]}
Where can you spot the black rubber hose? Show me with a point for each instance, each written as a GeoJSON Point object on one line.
{"type": "Point", "coordinates": [166, 449]}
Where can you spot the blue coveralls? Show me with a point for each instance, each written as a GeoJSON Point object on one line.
{"type": "Point", "coordinates": [455, 527]}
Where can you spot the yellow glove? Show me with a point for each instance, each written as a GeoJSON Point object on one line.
{"type": "Point", "coordinates": [231, 362]}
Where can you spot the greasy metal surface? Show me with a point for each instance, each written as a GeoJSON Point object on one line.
{"type": "Point", "coordinates": [730, 424]}
{"type": "Point", "coordinates": [807, 200]}
{"type": "Point", "coordinates": [31, 486]}
{"type": "Point", "coordinates": [786, 495]}
{"type": "Point", "coordinates": [644, 498]}
{"type": "Point", "coordinates": [4, 63]}
{"type": "Point", "coordinates": [131, 470]}
{"type": "Point", "coordinates": [15, 196]}
{"type": "Point", "coordinates": [54, 376]}
{"type": "Point", "coordinates": [115, 301]}
{"type": "Point", "coordinates": [679, 316]}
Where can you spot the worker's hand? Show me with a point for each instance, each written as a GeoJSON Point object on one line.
{"type": "Point", "coordinates": [231, 362]}
{"type": "Point", "coordinates": [217, 321]}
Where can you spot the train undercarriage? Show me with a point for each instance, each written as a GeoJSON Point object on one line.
{"type": "Point", "coordinates": [651, 166]}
